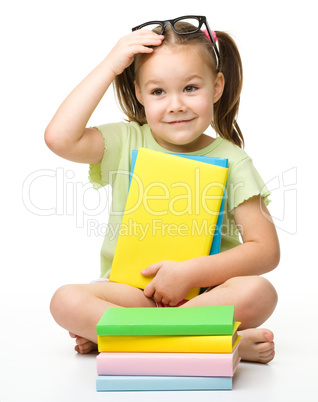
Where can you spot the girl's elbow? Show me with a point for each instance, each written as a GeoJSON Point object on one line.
{"type": "Point", "coordinates": [50, 139]}
{"type": "Point", "coordinates": [56, 141]}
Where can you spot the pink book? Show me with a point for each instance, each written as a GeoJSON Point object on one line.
{"type": "Point", "coordinates": [168, 364]}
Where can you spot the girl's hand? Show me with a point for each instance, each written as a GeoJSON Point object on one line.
{"type": "Point", "coordinates": [122, 55]}
{"type": "Point", "coordinates": [171, 283]}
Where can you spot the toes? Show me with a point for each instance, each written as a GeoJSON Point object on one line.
{"type": "Point", "coordinates": [263, 335]}
{"type": "Point", "coordinates": [257, 345]}
{"type": "Point", "coordinates": [265, 347]}
{"type": "Point", "coordinates": [258, 335]}
{"type": "Point", "coordinates": [267, 358]}
{"type": "Point", "coordinates": [81, 349]}
{"type": "Point", "coordinates": [266, 352]}
{"type": "Point", "coordinates": [84, 346]}
{"type": "Point", "coordinates": [81, 341]}
{"type": "Point", "coordinates": [269, 336]}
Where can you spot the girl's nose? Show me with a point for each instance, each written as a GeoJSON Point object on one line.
{"type": "Point", "coordinates": [176, 105]}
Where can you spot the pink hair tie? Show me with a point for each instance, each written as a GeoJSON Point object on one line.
{"type": "Point", "coordinates": [208, 36]}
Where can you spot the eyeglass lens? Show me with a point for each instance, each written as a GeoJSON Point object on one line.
{"type": "Point", "coordinates": [178, 26]}
{"type": "Point", "coordinates": [193, 21]}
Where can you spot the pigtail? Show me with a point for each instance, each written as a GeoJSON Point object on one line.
{"type": "Point", "coordinates": [226, 109]}
{"type": "Point", "coordinates": [124, 85]}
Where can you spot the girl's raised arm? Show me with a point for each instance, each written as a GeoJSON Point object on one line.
{"type": "Point", "coordinates": [66, 134]}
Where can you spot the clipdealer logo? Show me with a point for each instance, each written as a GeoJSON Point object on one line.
{"type": "Point", "coordinates": [283, 207]}
{"type": "Point", "coordinates": [48, 192]}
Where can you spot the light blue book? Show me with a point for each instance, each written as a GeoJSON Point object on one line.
{"type": "Point", "coordinates": [161, 383]}
{"type": "Point", "coordinates": [223, 162]}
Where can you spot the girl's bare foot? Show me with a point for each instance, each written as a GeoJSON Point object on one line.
{"type": "Point", "coordinates": [83, 345]}
{"type": "Point", "coordinates": [257, 345]}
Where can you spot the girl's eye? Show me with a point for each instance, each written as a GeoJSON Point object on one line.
{"type": "Point", "coordinates": [158, 92]}
{"type": "Point", "coordinates": [190, 88]}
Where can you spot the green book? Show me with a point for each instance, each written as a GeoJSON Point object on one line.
{"type": "Point", "coordinates": [201, 320]}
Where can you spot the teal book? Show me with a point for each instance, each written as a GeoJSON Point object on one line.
{"type": "Point", "coordinates": [222, 162]}
{"type": "Point", "coordinates": [199, 320]}
{"type": "Point", "coordinates": [161, 383]}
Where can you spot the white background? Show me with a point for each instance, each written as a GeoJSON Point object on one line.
{"type": "Point", "coordinates": [47, 238]}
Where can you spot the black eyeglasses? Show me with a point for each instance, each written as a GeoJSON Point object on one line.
{"type": "Point", "coordinates": [195, 20]}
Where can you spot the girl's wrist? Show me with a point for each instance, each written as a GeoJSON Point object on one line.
{"type": "Point", "coordinates": [189, 273]}
{"type": "Point", "coordinates": [194, 270]}
{"type": "Point", "coordinates": [109, 68]}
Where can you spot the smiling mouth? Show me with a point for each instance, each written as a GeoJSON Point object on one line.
{"type": "Point", "coordinates": [179, 122]}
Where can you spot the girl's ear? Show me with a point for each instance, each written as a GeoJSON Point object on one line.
{"type": "Point", "coordinates": [138, 93]}
{"type": "Point", "coordinates": [218, 87]}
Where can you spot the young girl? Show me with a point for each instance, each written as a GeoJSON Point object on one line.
{"type": "Point", "coordinates": [172, 83]}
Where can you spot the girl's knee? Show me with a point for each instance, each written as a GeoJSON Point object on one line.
{"type": "Point", "coordinates": [257, 301]}
{"type": "Point", "coordinates": [256, 289]}
{"type": "Point", "coordinates": [64, 301]}
{"type": "Point", "coordinates": [265, 292]}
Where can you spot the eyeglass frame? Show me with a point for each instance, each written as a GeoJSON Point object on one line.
{"type": "Point", "coordinates": [202, 20]}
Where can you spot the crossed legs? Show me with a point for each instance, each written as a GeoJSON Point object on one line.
{"type": "Point", "coordinates": [78, 308]}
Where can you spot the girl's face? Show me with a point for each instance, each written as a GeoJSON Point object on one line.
{"type": "Point", "coordinates": [178, 90]}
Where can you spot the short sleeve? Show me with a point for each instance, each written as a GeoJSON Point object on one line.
{"type": "Point", "coordinates": [114, 136]}
{"type": "Point", "coordinates": [245, 182]}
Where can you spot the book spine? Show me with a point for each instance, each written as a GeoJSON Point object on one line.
{"type": "Point", "coordinates": [167, 344]}
{"type": "Point", "coordinates": [168, 364]}
{"type": "Point", "coordinates": [200, 320]}
{"type": "Point", "coordinates": [164, 330]}
{"type": "Point", "coordinates": [154, 383]}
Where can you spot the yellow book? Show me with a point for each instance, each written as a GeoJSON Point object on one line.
{"type": "Point", "coordinates": [170, 344]}
{"type": "Point", "coordinates": [171, 213]}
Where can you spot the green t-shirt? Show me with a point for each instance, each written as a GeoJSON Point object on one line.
{"type": "Point", "coordinates": [121, 139]}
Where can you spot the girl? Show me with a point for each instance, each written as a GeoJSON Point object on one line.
{"type": "Point", "coordinates": [172, 83]}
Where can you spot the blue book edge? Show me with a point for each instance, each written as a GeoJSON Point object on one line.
{"type": "Point", "coordinates": [161, 383]}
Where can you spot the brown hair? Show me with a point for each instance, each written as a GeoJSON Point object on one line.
{"type": "Point", "coordinates": [225, 109]}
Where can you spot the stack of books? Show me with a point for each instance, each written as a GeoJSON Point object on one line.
{"type": "Point", "coordinates": [173, 212]}
{"type": "Point", "coordinates": [152, 349]}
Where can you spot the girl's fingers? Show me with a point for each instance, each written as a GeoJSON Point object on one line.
{"type": "Point", "coordinates": [143, 38]}
{"type": "Point", "coordinates": [152, 269]}
{"type": "Point", "coordinates": [122, 55]}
